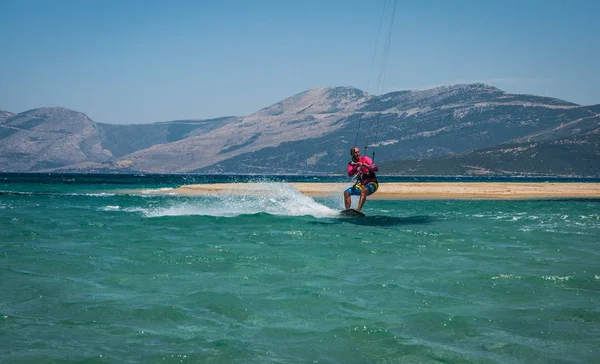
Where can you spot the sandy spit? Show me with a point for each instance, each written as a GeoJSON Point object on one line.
{"type": "Point", "coordinates": [412, 190]}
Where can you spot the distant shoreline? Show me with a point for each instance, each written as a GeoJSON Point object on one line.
{"type": "Point", "coordinates": [415, 190]}
{"type": "Point", "coordinates": [199, 178]}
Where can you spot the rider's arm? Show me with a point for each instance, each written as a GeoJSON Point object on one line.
{"type": "Point", "coordinates": [352, 169]}
{"type": "Point", "coordinates": [370, 165]}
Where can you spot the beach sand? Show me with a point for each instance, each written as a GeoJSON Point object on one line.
{"type": "Point", "coordinates": [411, 190]}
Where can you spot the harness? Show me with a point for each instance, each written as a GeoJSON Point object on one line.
{"type": "Point", "coordinates": [361, 187]}
{"type": "Point", "coordinates": [361, 177]}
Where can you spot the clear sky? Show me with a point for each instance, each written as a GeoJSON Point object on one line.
{"type": "Point", "coordinates": [142, 61]}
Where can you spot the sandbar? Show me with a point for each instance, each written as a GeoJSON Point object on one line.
{"type": "Point", "coordinates": [414, 190]}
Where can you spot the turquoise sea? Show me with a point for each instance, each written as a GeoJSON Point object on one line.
{"type": "Point", "coordinates": [113, 269]}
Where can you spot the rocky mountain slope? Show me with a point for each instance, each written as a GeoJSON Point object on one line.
{"type": "Point", "coordinates": [421, 125]}
{"type": "Point", "coordinates": [5, 115]}
{"type": "Point", "coordinates": [49, 137]}
{"type": "Point", "coordinates": [578, 155]}
{"type": "Point", "coordinates": [126, 139]}
{"type": "Point", "coordinates": [309, 133]}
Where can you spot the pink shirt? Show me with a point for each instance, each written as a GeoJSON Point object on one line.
{"type": "Point", "coordinates": [367, 173]}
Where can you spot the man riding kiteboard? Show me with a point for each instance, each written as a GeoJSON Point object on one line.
{"type": "Point", "coordinates": [366, 184]}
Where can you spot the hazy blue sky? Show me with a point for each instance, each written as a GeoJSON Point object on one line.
{"type": "Point", "coordinates": [145, 61]}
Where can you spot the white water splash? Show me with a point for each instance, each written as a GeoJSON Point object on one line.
{"type": "Point", "coordinates": [269, 197]}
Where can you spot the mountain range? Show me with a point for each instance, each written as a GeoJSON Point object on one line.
{"type": "Point", "coordinates": [459, 129]}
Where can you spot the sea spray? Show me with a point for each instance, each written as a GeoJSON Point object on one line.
{"type": "Point", "coordinates": [274, 198]}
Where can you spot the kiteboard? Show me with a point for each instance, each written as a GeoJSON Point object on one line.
{"type": "Point", "coordinates": [352, 212]}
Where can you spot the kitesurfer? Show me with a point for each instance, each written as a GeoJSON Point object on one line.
{"type": "Point", "coordinates": [366, 184]}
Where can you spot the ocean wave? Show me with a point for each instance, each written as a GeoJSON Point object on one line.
{"type": "Point", "coordinates": [43, 193]}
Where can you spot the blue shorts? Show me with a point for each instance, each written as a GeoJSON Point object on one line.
{"type": "Point", "coordinates": [357, 188]}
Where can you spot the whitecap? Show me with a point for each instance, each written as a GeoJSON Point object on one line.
{"type": "Point", "coordinates": [507, 276]}
{"type": "Point", "coordinates": [557, 278]}
{"type": "Point", "coordinates": [101, 194]}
